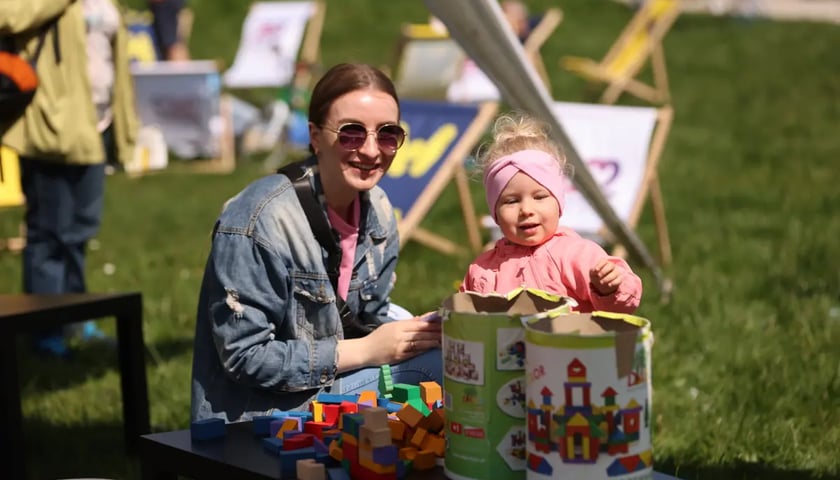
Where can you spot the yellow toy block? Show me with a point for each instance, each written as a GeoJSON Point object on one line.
{"type": "Point", "coordinates": [317, 409]}
{"type": "Point", "coordinates": [289, 425]}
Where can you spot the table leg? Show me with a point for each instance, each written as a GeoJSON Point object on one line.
{"type": "Point", "coordinates": [11, 433]}
{"type": "Point", "coordinates": [135, 395]}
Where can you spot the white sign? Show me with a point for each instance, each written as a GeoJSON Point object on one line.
{"type": "Point", "coordinates": [613, 142]}
{"type": "Point", "coordinates": [268, 49]}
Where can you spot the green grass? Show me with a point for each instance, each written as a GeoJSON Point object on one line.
{"type": "Point", "coordinates": [746, 363]}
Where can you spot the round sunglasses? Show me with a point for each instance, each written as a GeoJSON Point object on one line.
{"type": "Point", "coordinates": [351, 136]}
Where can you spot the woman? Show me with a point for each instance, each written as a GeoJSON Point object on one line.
{"type": "Point", "coordinates": [268, 333]}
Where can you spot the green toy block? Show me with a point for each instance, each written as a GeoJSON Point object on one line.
{"type": "Point", "coordinates": [404, 392]}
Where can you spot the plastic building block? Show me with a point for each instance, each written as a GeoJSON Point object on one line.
{"type": "Point", "coordinates": [298, 441]}
{"type": "Point", "coordinates": [335, 398]}
{"type": "Point", "coordinates": [425, 460]}
{"type": "Point", "coordinates": [372, 437]}
{"type": "Point", "coordinates": [207, 429]}
{"type": "Point", "coordinates": [367, 397]}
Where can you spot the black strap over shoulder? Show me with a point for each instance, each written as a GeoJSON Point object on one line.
{"type": "Point", "coordinates": [327, 238]}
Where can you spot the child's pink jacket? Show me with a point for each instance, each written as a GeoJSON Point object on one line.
{"type": "Point", "coordinates": [560, 266]}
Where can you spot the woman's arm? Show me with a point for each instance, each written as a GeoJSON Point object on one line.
{"type": "Point", "coordinates": [248, 304]}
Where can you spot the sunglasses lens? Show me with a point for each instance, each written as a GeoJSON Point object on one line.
{"type": "Point", "coordinates": [390, 137]}
{"type": "Point", "coordinates": [352, 136]}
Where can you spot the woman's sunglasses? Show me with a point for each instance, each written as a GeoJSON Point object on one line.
{"type": "Point", "coordinates": [351, 136]}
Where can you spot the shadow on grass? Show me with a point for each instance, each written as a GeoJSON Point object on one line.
{"type": "Point", "coordinates": [738, 471]}
{"type": "Point", "coordinates": [39, 374]}
{"type": "Point", "coordinates": [77, 451]}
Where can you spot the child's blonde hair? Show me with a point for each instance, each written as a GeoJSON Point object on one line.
{"type": "Point", "coordinates": [517, 131]}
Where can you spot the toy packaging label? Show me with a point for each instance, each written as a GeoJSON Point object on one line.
{"type": "Point", "coordinates": [588, 397]}
{"type": "Point", "coordinates": [484, 381]}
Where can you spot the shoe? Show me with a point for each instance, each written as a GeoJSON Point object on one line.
{"type": "Point", "coordinates": [91, 332]}
{"type": "Point", "coordinates": [52, 346]}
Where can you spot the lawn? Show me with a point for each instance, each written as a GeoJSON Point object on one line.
{"type": "Point", "coordinates": [746, 364]}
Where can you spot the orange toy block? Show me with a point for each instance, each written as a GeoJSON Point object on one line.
{"type": "Point", "coordinates": [430, 392]}
{"type": "Point", "coordinates": [407, 453]}
{"type": "Point", "coordinates": [374, 437]}
{"type": "Point", "coordinates": [425, 460]}
{"type": "Point", "coordinates": [309, 469]}
{"type": "Point", "coordinates": [289, 425]}
{"type": "Point", "coordinates": [369, 397]}
{"type": "Point", "coordinates": [336, 451]}
{"type": "Point", "coordinates": [410, 416]}
{"type": "Point", "coordinates": [419, 437]}
{"type": "Point", "coordinates": [435, 421]}
{"type": "Point", "coordinates": [397, 430]}
{"type": "Point", "coordinates": [375, 417]}
{"type": "Point", "coordinates": [434, 443]}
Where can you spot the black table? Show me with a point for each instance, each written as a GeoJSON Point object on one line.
{"type": "Point", "coordinates": [240, 455]}
{"type": "Point", "coordinates": [31, 313]}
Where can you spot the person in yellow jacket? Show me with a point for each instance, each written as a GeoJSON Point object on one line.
{"type": "Point", "coordinates": [85, 95]}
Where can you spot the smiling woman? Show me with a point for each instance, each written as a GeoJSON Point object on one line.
{"type": "Point", "coordinates": [276, 326]}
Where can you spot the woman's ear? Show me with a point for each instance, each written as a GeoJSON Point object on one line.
{"type": "Point", "coordinates": [314, 138]}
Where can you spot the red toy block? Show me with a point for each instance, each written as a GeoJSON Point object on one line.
{"type": "Point", "coordinates": [301, 440]}
{"type": "Point", "coordinates": [316, 428]}
{"type": "Point", "coordinates": [348, 407]}
{"type": "Point", "coordinates": [331, 413]}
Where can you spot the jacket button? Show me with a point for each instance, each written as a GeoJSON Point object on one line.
{"type": "Point", "coordinates": [324, 376]}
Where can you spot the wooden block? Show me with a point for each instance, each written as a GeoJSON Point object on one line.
{"type": "Point", "coordinates": [430, 392]}
{"type": "Point", "coordinates": [374, 437]}
{"type": "Point", "coordinates": [369, 397]}
{"type": "Point", "coordinates": [425, 460]}
{"type": "Point", "coordinates": [418, 437]}
{"type": "Point", "coordinates": [335, 451]}
{"type": "Point", "coordinates": [407, 453]}
{"type": "Point", "coordinates": [435, 421]}
{"type": "Point", "coordinates": [397, 430]}
{"type": "Point", "coordinates": [375, 417]}
{"type": "Point", "coordinates": [309, 469]}
{"type": "Point", "coordinates": [410, 416]}
{"type": "Point", "coordinates": [434, 443]}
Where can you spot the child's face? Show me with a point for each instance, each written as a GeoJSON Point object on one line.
{"type": "Point", "coordinates": [527, 212]}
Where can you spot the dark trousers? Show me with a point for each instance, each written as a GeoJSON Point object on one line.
{"type": "Point", "coordinates": [63, 211]}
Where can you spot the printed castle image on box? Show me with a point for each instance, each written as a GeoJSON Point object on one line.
{"type": "Point", "coordinates": [580, 429]}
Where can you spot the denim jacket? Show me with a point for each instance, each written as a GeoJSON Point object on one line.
{"type": "Point", "coordinates": [267, 324]}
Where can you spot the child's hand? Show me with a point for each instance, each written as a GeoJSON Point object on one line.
{"type": "Point", "coordinates": [605, 277]}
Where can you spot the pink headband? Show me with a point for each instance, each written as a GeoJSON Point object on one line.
{"type": "Point", "coordinates": [537, 164]}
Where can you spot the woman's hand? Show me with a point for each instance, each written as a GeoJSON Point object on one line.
{"type": "Point", "coordinates": [391, 342]}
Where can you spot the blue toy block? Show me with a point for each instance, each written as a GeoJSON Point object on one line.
{"type": "Point", "coordinates": [207, 429]}
{"type": "Point", "coordinates": [386, 455]}
{"type": "Point", "coordinates": [319, 446]}
{"type": "Point", "coordinates": [335, 398]}
{"type": "Point", "coordinates": [289, 458]}
{"type": "Point", "coordinates": [262, 424]}
{"type": "Point", "coordinates": [274, 426]}
{"type": "Point", "coordinates": [304, 416]}
{"type": "Point", "coordinates": [351, 423]}
{"type": "Point", "coordinates": [337, 474]}
{"type": "Point", "coordinates": [272, 445]}
{"type": "Point", "coordinates": [393, 407]}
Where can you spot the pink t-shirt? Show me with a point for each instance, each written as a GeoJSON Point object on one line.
{"type": "Point", "coordinates": [560, 266]}
{"type": "Point", "coordinates": [348, 234]}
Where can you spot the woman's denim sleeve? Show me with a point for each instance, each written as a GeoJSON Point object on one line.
{"type": "Point", "coordinates": [257, 339]}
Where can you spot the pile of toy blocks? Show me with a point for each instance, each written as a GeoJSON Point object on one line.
{"type": "Point", "coordinates": [371, 436]}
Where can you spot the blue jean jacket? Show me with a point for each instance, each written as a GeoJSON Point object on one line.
{"type": "Point", "coordinates": [267, 324]}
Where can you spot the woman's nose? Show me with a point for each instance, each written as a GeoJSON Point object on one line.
{"type": "Point", "coordinates": [370, 148]}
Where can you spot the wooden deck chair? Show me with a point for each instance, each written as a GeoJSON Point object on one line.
{"type": "Point", "coordinates": [622, 147]}
{"type": "Point", "coordinates": [428, 60]}
{"type": "Point", "coordinates": [440, 137]}
{"type": "Point", "coordinates": [640, 41]}
{"type": "Point", "coordinates": [278, 38]}
{"type": "Point", "coordinates": [11, 194]}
